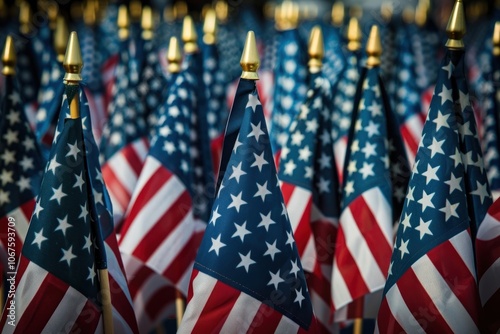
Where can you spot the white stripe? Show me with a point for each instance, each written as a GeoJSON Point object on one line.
{"type": "Point", "coordinates": [22, 222]}
{"type": "Point", "coordinates": [118, 209]}
{"type": "Point", "coordinates": [450, 308]}
{"type": "Point", "coordinates": [463, 246]}
{"type": "Point", "coordinates": [28, 286]}
{"type": "Point", "coordinates": [150, 213]}
{"type": "Point", "coordinates": [340, 292]}
{"type": "Point", "coordinates": [115, 271]}
{"type": "Point", "coordinates": [321, 309]}
{"type": "Point", "coordinates": [123, 171]}
{"type": "Point", "coordinates": [340, 149]}
{"type": "Point", "coordinates": [151, 165]}
{"type": "Point", "coordinates": [242, 315]}
{"type": "Point", "coordinates": [287, 326]}
{"type": "Point", "coordinates": [356, 244]}
{"type": "Point", "coordinates": [203, 286]}
{"type": "Point", "coordinates": [414, 125]}
{"type": "Point", "coordinates": [401, 312]}
{"type": "Point", "coordinates": [381, 210]}
{"type": "Point", "coordinates": [66, 312]}
{"type": "Point", "coordinates": [489, 229]}
{"type": "Point", "coordinates": [490, 283]}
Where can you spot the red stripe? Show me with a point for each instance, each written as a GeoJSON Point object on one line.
{"type": "Point", "coordinates": [113, 246]}
{"type": "Point", "coordinates": [159, 301]}
{"type": "Point", "coordinates": [88, 320]}
{"type": "Point", "coordinates": [410, 141]}
{"type": "Point", "coordinates": [266, 320]}
{"type": "Point", "coordinates": [386, 322]}
{"type": "Point", "coordinates": [325, 236]}
{"type": "Point", "coordinates": [137, 280]}
{"type": "Point", "coordinates": [190, 290]}
{"type": "Point", "coordinates": [287, 190]}
{"type": "Point", "coordinates": [318, 283]}
{"type": "Point", "coordinates": [120, 193]}
{"type": "Point", "coordinates": [122, 304]}
{"type": "Point", "coordinates": [494, 210]}
{"type": "Point", "coordinates": [370, 229]}
{"type": "Point", "coordinates": [132, 156]}
{"type": "Point", "coordinates": [487, 252]}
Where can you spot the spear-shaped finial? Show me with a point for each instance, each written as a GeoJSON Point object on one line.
{"type": "Point", "coordinates": [338, 13]}
{"type": "Point", "coordinates": [89, 13]}
{"type": "Point", "coordinates": [73, 62]}
{"type": "Point", "coordinates": [221, 10]}
{"type": "Point", "coordinates": [52, 13]}
{"type": "Point", "coordinates": [250, 61]}
{"type": "Point", "coordinates": [9, 57]}
{"type": "Point", "coordinates": [316, 50]}
{"type": "Point", "coordinates": [25, 17]}
{"type": "Point", "coordinates": [354, 35]}
{"type": "Point", "coordinates": [373, 47]}
{"type": "Point", "coordinates": [189, 35]}
{"type": "Point", "coordinates": [456, 27]}
{"type": "Point", "coordinates": [289, 15]}
{"type": "Point", "coordinates": [421, 13]}
{"type": "Point", "coordinates": [496, 39]}
{"type": "Point", "coordinates": [174, 55]}
{"type": "Point", "coordinates": [123, 22]}
{"type": "Point", "coordinates": [61, 36]}
{"type": "Point", "coordinates": [147, 23]}
{"type": "Point", "coordinates": [210, 27]}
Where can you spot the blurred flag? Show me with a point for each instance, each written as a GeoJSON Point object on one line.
{"type": "Point", "coordinates": [432, 270]}
{"type": "Point", "coordinates": [248, 274]}
{"type": "Point", "coordinates": [311, 193]}
{"type": "Point", "coordinates": [160, 234]}
{"type": "Point", "coordinates": [376, 176]}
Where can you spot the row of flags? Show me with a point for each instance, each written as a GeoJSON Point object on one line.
{"type": "Point", "coordinates": [320, 199]}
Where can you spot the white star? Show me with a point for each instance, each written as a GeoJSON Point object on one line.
{"type": "Point", "coordinates": [88, 243]}
{"type": "Point", "coordinates": [39, 238]}
{"type": "Point", "coordinates": [53, 165]}
{"type": "Point", "coordinates": [97, 197]}
{"type": "Point", "coordinates": [215, 216]}
{"type": "Point", "coordinates": [26, 163]}
{"type": "Point", "coordinates": [259, 161]}
{"type": "Point", "coordinates": [236, 202]}
{"type": "Point", "coordinates": [445, 95]}
{"type": "Point", "coordinates": [4, 197]}
{"type": "Point", "coordinates": [13, 117]}
{"type": "Point", "coordinates": [355, 146]}
{"type": "Point", "coordinates": [454, 183]}
{"type": "Point", "coordinates": [253, 102]}
{"type": "Point", "coordinates": [409, 195]}
{"type": "Point", "coordinates": [375, 109]}
{"type": "Point", "coordinates": [295, 268]}
{"type": "Point", "coordinates": [323, 185]}
{"type": "Point", "coordinates": [256, 131]}
{"type": "Point", "coordinates": [450, 210]}
{"type": "Point", "coordinates": [6, 177]}
{"type": "Point", "coordinates": [216, 245]}
{"type": "Point", "coordinates": [406, 221]}
{"type": "Point", "coordinates": [92, 274]}
{"type": "Point", "coordinates": [73, 150]}
{"type": "Point", "coordinates": [246, 261]}
{"type": "Point", "coordinates": [426, 200]}
{"type": "Point", "coordinates": [390, 268]}
{"type": "Point", "coordinates": [29, 144]}
{"type": "Point", "coordinates": [367, 170]}
{"type": "Point", "coordinates": [237, 144]}
{"type": "Point", "coordinates": [423, 228]}
{"type": "Point", "coordinates": [266, 221]}
{"type": "Point", "coordinates": [63, 225]}
{"type": "Point", "coordinates": [441, 121]}
{"type": "Point", "coordinates": [436, 147]}
{"type": "Point", "coordinates": [237, 172]}
{"type": "Point", "coordinates": [275, 279]}
{"type": "Point", "coordinates": [481, 191]}
{"type": "Point", "coordinates": [84, 212]}
{"type": "Point", "coordinates": [448, 68]}
{"type": "Point", "coordinates": [262, 191]}
{"type": "Point", "coordinates": [464, 99]}
{"type": "Point", "coordinates": [299, 298]}
{"type": "Point", "coordinates": [290, 240]}
{"type": "Point", "coordinates": [369, 150]}
{"type": "Point", "coordinates": [430, 173]}
{"type": "Point", "coordinates": [169, 147]}
{"type": "Point", "coordinates": [241, 231]}
{"type": "Point", "coordinates": [457, 157]}
{"type": "Point", "coordinates": [67, 255]}
{"type": "Point", "coordinates": [271, 249]}
{"type": "Point", "coordinates": [403, 248]}
{"type": "Point", "coordinates": [372, 129]}
{"type": "Point", "coordinates": [79, 181]}
{"type": "Point", "coordinates": [304, 153]}
{"type": "Point", "coordinates": [23, 183]}
{"type": "Point", "coordinates": [8, 157]}
{"type": "Point", "coordinates": [349, 188]}
{"type": "Point", "coordinates": [297, 138]}
{"type": "Point", "coordinates": [289, 167]}
{"type": "Point", "coordinates": [312, 126]}
{"type": "Point", "coordinates": [10, 137]}
{"type": "Point", "coordinates": [58, 194]}
{"type": "Point", "coordinates": [325, 161]}
{"type": "Point", "coordinates": [38, 208]}
{"type": "Point", "coordinates": [351, 168]}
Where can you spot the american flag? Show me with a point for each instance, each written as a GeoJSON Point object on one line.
{"type": "Point", "coordinates": [311, 192]}
{"type": "Point", "coordinates": [431, 282]}
{"type": "Point", "coordinates": [124, 144]}
{"type": "Point", "coordinates": [248, 269]}
{"type": "Point", "coordinates": [334, 61]}
{"type": "Point", "coordinates": [376, 175]}
{"type": "Point", "coordinates": [21, 167]}
{"type": "Point", "coordinates": [488, 266]}
{"type": "Point", "coordinates": [160, 234]}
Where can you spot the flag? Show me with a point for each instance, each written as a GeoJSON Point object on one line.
{"type": "Point", "coordinates": [488, 267]}
{"type": "Point", "coordinates": [124, 144]}
{"type": "Point", "coordinates": [21, 168]}
{"type": "Point", "coordinates": [247, 274]}
{"type": "Point", "coordinates": [160, 234]}
{"type": "Point", "coordinates": [310, 186]}
{"type": "Point", "coordinates": [376, 174]}
{"type": "Point", "coordinates": [431, 282]}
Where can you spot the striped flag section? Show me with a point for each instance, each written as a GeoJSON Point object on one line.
{"type": "Point", "coordinates": [488, 268]}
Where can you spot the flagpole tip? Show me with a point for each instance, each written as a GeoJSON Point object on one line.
{"type": "Point", "coordinates": [189, 36]}
{"type": "Point", "coordinates": [147, 23]}
{"type": "Point", "coordinates": [180, 10]}
{"type": "Point", "coordinates": [456, 27]}
{"type": "Point", "coordinates": [9, 57]}
{"type": "Point", "coordinates": [421, 13]}
{"type": "Point", "coordinates": [61, 36]}
{"type": "Point", "coordinates": [373, 47]}
{"type": "Point", "coordinates": [221, 10]}
{"type": "Point", "coordinates": [496, 39]}
{"type": "Point", "coordinates": [250, 58]}
{"type": "Point", "coordinates": [136, 10]}
{"type": "Point", "coordinates": [289, 15]}
{"type": "Point", "coordinates": [354, 35]}
{"type": "Point", "coordinates": [25, 17]}
{"type": "Point", "coordinates": [174, 55]}
{"type": "Point", "coordinates": [73, 60]}
{"type": "Point", "coordinates": [338, 13]}
{"type": "Point", "coordinates": [89, 13]}
{"type": "Point", "coordinates": [316, 50]}
{"type": "Point", "coordinates": [123, 22]}
{"type": "Point", "coordinates": [210, 27]}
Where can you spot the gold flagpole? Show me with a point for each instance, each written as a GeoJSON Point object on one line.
{"type": "Point", "coordinates": [496, 39]}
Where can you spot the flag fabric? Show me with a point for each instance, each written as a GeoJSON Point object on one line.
{"type": "Point", "coordinates": [247, 274]}
{"type": "Point", "coordinates": [431, 282]}
{"type": "Point", "coordinates": [160, 234]}
{"type": "Point", "coordinates": [309, 182]}
{"type": "Point", "coordinates": [21, 169]}
{"type": "Point", "coordinates": [376, 175]}
{"type": "Point", "coordinates": [488, 268]}
{"type": "Point", "coordinates": [334, 61]}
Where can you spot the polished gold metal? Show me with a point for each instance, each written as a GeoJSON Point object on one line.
{"type": "Point", "coordinates": [90, 13]}
{"type": "Point", "coordinates": [180, 10]}
{"type": "Point", "coordinates": [456, 27]}
{"type": "Point", "coordinates": [61, 36]}
{"type": "Point", "coordinates": [123, 23]}
{"type": "Point", "coordinates": [147, 23]}
{"type": "Point", "coordinates": [52, 10]}
{"type": "Point", "coordinates": [25, 17]}
{"type": "Point", "coordinates": [222, 10]}
{"type": "Point", "coordinates": [210, 27]}
{"type": "Point", "coordinates": [421, 14]}
{"type": "Point", "coordinates": [289, 15]}
{"type": "Point", "coordinates": [9, 57]}
{"type": "Point", "coordinates": [316, 50]}
{"type": "Point", "coordinates": [135, 10]}
{"type": "Point", "coordinates": [189, 35]}
{"type": "Point", "coordinates": [338, 14]}
{"type": "Point", "coordinates": [354, 35]}
{"type": "Point", "coordinates": [250, 61]}
{"type": "Point", "coordinates": [496, 39]}
{"type": "Point", "coordinates": [73, 62]}
{"type": "Point", "coordinates": [174, 56]}
{"type": "Point", "coordinates": [386, 11]}
{"type": "Point", "coordinates": [373, 47]}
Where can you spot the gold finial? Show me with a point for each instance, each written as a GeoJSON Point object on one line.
{"type": "Point", "coordinates": [147, 23]}
{"type": "Point", "coordinates": [189, 36]}
{"type": "Point", "coordinates": [168, 14]}
{"type": "Point", "coordinates": [174, 56]}
{"type": "Point", "coordinates": [356, 11]}
{"type": "Point", "coordinates": [204, 11]}
{"type": "Point", "coordinates": [496, 39]}
{"type": "Point", "coordinates": [386, 10]}
{"type": "Point", "coordinates": [25, 17]}
{"type": "Point", "coordinates": [373, 47]}
{"type": "Point", "coordinates": [89, 13]}
{"type": "Point", "coordinates": [180, 10]}
{"type": "Point", "coordinates": [73, 61]}
{"type": "Point", "coordinates": [123, 22]}
{"type": "Point", "coordinates": [354, 35]}
{"type": "Point", "coordinates": [135, 9]}
{"type": "Point", "coordinates": [9, 57]}
{"type": "Point", "coordinates": [289, 15]}
{"type": "Point", "coordinates": [52, 11]}
{"type": "Point", "coordinates": [222, 10]}
{"type": "Point", "coordinates": [278, 18]}
{"type": "Point", "coordinates": [316, 50]}
{"type": "Point", "coordinates": [210, 27]}
{"type": "Point", "coordinates": [61, 38]}
{"type": "Point", "coordinates": [421, 13]}
{"type": "Point", "coordinates": [456, 27]}
{"type": "Point", "coordinates": [338, 13]}
{"type": "Point", "coordinates": [250, 58]}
